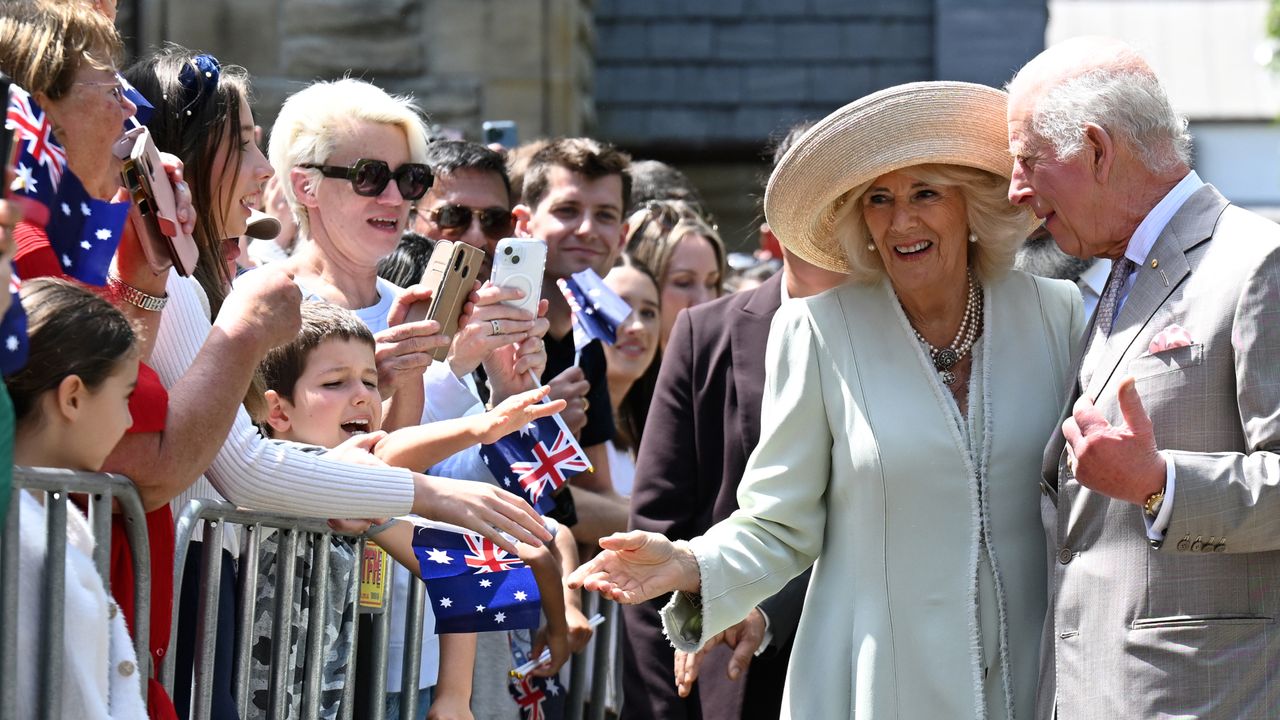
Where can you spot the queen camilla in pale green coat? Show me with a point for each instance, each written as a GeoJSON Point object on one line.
{"type": "Point", "coordinates": [903, 422]}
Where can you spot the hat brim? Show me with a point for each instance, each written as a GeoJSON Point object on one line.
{"type": "Point", "coordinates": [946, 122]}
{"type": "Point", "coordinates": [261, 226]}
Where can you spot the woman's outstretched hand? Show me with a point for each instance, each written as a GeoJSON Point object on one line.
{"type": "Point", "coordinates": [637, 566]}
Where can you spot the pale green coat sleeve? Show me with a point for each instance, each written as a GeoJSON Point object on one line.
{"type": "Point", "coordinates": [778, 530]}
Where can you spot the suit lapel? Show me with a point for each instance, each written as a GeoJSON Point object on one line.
{"type": "Point", "coordinates": [1166, 267]}
{"type": "Point", "coordinates": [748, 336]}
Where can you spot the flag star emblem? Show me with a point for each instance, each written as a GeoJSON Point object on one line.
{"type": "Point", "coordinates": [485, 583]}
{"type": "Point", "coordinates": [24, 180]}
{"type": "Point", "coordinates": [66, 209]}
{"type": "Point", "coordinates": [66, 261]}
{"type": "Point", "coordinates": [439, 556]}
{"type": "Point", "coordinates": [85, 210]}
{"type": "Point", "coordinates": [500, 618]}
{"type": "Point", "coordinates": [521, 595]}
{"type": "Point", "coordinates": [479, 608]}
{"type": "Point", "coordinates": [103, 234]}
{"type": "Point", "coordinates": [552, 687]}
{"type": "Point", "coordinates": [11, 343]}
{"type": "Point", "coordinates": [446, 602]}
{"type": "Point", "coordinates": [85, 244]}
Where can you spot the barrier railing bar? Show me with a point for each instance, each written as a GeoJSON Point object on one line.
{"type": "Point", "coordinates": [347, 709]}
{"type": "Point", "coordinates": [9, 611]}
{"type": "Point", "coordinates": [207, 618]}
{"type": "Point", "coordinates": [415, 607]}
{"type": "Point", "coordinates": [578, 668]}
{"type": "Point", "coordinates": [378, 673]}
{"type": "Point", "coordinates": [282, 626]}
{"type": "Point", "coordinates": [600, 671]}
{"type": "Point", "coordinates": [316, 622]}
{"type": "Point", "coordinates": [55, 581]}
{"type": "Point", "coordinates": [248, 572]}
{"type": "Point", "coordinates": [100, 524]}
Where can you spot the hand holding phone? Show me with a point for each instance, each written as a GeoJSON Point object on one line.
{"type": "Point", "coordinates": [163, 241]}
{"type": "Point", "coordinates": [451, 273]}
{"type": "Point", "coordinates": [519, 263]}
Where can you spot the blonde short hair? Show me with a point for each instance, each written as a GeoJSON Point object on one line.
{"type": "Point", "coordinates": [307, 129]}
{"type": "Point", "coordinates": [999, 226]}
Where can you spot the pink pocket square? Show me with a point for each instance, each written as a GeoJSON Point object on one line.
{"type": "Point", "coordinates": [1174, 336]}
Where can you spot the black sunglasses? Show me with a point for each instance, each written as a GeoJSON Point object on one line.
{"type": "Point", "coordinates": [370, 177]}
{"type": "Point", "coordinates": [495, 223]}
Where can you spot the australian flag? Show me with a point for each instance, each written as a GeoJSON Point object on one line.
{"type": "Point", "coordinates": [597, 310]}
{"type": "Point", "coordinates": [83, 231]}
{"type": "Point", "coordinates": [538, 698]}
{"type": "Point", "coordinates": [538, 460]}
{"type": "Point", "coordinates": [474, 585]}
{"type": "Point", "coordinates": [13, 333]}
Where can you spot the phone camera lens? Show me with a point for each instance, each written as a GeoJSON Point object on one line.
{"type": "Point", "coordinates": [515, 260]}
{"type": "Point", "coordinates": [506, 250]}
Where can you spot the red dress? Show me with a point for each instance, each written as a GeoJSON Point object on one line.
{"type": "Point", "coordinates": [34, 257]}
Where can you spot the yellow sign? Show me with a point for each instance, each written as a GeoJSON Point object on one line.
{"type": "Point", "coordinates": [375, 578]}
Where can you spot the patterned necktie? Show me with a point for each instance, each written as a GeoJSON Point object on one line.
{"type": "Point", "coordinates": [1106, 314]}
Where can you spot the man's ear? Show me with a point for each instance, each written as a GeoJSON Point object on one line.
{"type": "Point", "coordinates": [303, 187]}
{"type": "Point", "coordinates": [522, 214]}
{"type": "Point", "coordinates": [278, 410]}
{"type": "Point", "coordinates": [71, 396]}
{"type": "Point", "coordinates": [1100, 150]}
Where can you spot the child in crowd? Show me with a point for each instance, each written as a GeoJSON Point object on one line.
{"type": "Point", "coordinates": [322, 389]}
{"type": "Point", "coordinates": [71, 403]}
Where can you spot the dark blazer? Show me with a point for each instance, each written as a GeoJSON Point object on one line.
{"type": "Point", "coordinates": [703, 423]}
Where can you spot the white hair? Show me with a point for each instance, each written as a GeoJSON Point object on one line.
{"type": "Point", "coordinates": [1127, 102]}
{"type": "Point", "coordinates": [310, 121]}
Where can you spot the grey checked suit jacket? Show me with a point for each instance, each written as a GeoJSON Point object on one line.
{"type": "Point", "coordinates": [1188, 629]}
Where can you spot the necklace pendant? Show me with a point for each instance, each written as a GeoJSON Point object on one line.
{"type": "Point", "coordinates": [945, 359]}
{"type": "Point", "coordinates": [948, 377]}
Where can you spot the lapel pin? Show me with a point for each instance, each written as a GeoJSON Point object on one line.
{"type": "Point", "coordinates": [1155, 264]}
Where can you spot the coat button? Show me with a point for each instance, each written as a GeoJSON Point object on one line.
{"type": "Point", "coordinates": [1183, 545]}
{"type": "Point", "coordinates": [1065, 555]}
{"type": "Point", "coordinates": [126, 667]}
{"type": "Point", "coordinates": [1220, 547]}
{"type": "Point", "coordinates": [1195, 546]}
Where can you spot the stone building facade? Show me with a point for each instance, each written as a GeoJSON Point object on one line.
{"type": "Point", "coordinates": [702, 84]}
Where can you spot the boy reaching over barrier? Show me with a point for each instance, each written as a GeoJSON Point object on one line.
{"type": "Point", "coordinates": [322, 390]}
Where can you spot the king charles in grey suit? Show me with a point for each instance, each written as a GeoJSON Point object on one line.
{"type": "Point", "coordinates": [1161, 501]}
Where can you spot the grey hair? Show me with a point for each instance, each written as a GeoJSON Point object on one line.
{"type": "Point", "coordinates": [1124, 101]}
{"type": "Point", "coordinates": [999, 226]}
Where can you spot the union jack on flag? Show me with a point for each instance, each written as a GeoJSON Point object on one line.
{"type": "Point", "coordinates": [40, 162]}
{"type": "Point", "coordinates": [539, 459]}
{"type": "Point", "coordinates": [474, 585]}
{"type": "Point", "coordinates": [538, 698]}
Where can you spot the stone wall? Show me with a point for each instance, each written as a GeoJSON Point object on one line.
{"type": "Point", "coordinates": [464, 60]}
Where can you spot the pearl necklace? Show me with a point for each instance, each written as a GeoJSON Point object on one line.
{"type": "Point", "coordinates": [970, 325]}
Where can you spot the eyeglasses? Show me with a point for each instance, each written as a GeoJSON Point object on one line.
{"type": "Point", "coordinates": [495, 223]}
{"type": "Point", "coordinates": [370, 177]}
{"type": "Point", "coordinates": [117, 92]}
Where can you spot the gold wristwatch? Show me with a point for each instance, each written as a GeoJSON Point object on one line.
{"type": "Point", "coordinates": [1152, 506]}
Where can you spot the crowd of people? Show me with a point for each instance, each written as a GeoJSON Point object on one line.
{"type": "Point", "coordinates": [871, 471]}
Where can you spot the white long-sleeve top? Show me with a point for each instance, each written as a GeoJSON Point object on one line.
{"type": "Point", "coordinates": [253, 473]}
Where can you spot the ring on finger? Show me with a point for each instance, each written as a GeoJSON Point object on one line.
{"type": "Point", "coordinates": [496, 329]}
{"type": "Point", "coordinates": [585, 404]}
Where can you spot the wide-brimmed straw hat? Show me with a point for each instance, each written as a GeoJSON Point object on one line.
{"type": "Point", "coordinates": [920, 123]}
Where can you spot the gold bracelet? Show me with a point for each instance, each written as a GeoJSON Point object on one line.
{"type": "Point", "coordinates": [136, 297]}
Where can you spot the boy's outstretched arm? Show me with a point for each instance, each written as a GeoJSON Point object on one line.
{"type": "Point", "coordinates": [421, 446]}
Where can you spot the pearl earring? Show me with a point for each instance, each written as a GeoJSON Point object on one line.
{"type": "Point", "coordinates": [973, 237]}
{"type": "Point", "coordinates": [871, 246]}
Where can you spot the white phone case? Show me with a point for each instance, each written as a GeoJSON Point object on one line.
{"type": "Point", "coordinates": [519, 263]}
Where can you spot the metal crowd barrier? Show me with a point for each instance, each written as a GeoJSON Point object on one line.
{"type": "Point", "coordinates": [102, 490]}
{"type": "Point", "coordinates": [601, 672]}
